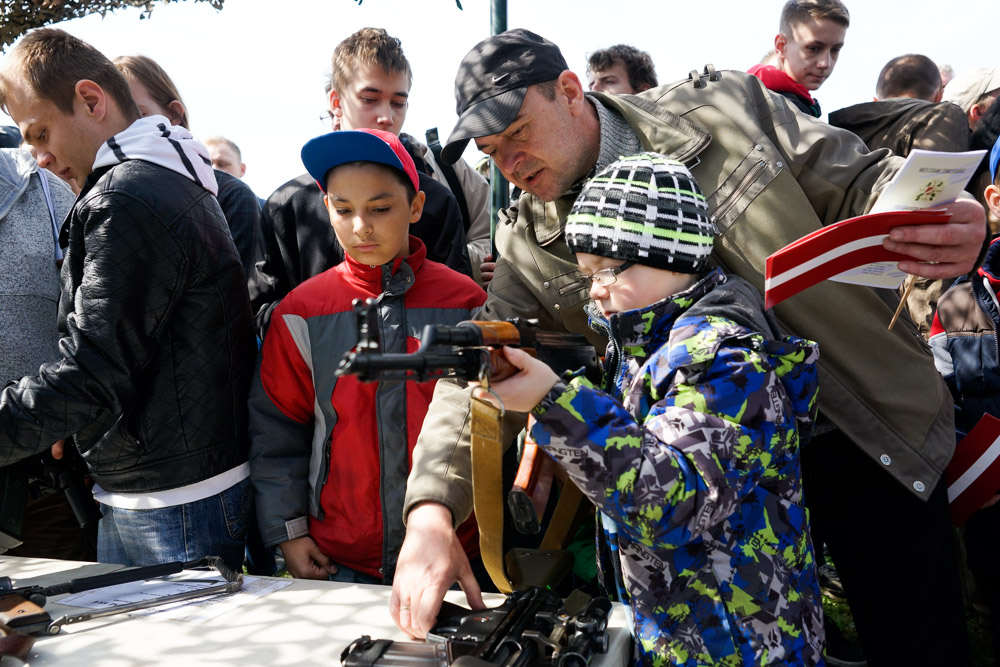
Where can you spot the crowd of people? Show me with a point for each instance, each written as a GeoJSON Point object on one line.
{"type": "Point", "coordinates": [181, 335]}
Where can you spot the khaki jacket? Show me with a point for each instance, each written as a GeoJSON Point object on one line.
{"type": "Point", "coordinates": [771, 175]}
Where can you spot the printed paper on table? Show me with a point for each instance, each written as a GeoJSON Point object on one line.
{"type": "Point", "coordinates": [851, 250]}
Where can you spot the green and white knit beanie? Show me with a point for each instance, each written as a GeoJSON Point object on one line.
{"type": "Point", "coordinates": [644, 208]}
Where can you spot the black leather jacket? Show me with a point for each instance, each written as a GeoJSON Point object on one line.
{"type": "Point", "coordinates": [157, 338]}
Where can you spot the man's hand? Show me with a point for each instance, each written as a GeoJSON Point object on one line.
{"type": "Point", "coordinates": [304, 560]}
{"type": "Point", "coordinates": [951, 247]}
{"type": "Point", "coordinates": [58, 449]}
{"type": "Point", "coordinates": [486, 269]}
{"type": "Point", "coordinates": [522, 391]}
{"type": "Point", "coordinates": [430, 561]}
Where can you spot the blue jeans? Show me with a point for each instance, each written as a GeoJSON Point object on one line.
{"type": "Point", "coordinates": [348, 576]}
{"type": "Point", "coordinates": [213, 526]}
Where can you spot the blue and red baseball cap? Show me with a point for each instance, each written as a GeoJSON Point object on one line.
{"type": "Point", "coordinates": [333, 149]}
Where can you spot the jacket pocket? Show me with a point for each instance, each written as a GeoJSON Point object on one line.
{"type": "Point", "coordinates": [742, 186]}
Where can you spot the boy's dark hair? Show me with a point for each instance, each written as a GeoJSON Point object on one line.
{"type": "Point", "coordinates": [368, 46]}
{"type": "Point", "coordinates": [154, 78]}
{"type": "Point", "coordinates": [911, 75]}
{"type": "Point", "coordinates": [797, 12]}
{"type": "Point", "coordinates": [402, 178]}
{"type": "Point", "coordinates": [52, 61]}
{"type": "Point", "coordinates": [638, 64]}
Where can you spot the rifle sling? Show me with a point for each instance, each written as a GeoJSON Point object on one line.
{"type": "Point", "coordinates": [487, 488]}
{"type": "Point", "coordinates": [568, 503]}
{"type": "Point", "coordinates": [488, 494]}
{"type": "Point", "coordinates": [562, 518]}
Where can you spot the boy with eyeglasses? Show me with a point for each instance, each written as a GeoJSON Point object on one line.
{"type": "Point", "coordinates": [690, 451]}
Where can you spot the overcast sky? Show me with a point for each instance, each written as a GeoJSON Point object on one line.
{"type": "Point", "coordinates": [255, 71]}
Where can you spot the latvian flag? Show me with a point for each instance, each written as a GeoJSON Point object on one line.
{"type": "Point", "coordinates": [834, 249]}
{"type": "Point", "coordinates": [973, 475]}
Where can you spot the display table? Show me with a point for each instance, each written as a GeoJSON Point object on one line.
{"type": "Point", "coordinates": [306, 623]}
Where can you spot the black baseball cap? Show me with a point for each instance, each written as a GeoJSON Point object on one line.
{"type": "Point", "coordinates": [492, 81]}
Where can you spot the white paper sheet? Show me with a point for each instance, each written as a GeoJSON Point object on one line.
{"type": "Point", "coordinates": [199, 609]}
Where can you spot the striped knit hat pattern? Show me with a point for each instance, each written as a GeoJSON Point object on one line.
{"type": "Point", "coordinates": [644, 208]}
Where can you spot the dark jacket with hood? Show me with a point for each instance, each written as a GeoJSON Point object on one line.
{"type": "Point", "coordinates": [902, 124]}
{"type": "Point", "coordinates": [157, 347]}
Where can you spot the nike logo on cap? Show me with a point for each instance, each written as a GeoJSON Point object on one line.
{"type": "Point", "coordinates": [498, 79]}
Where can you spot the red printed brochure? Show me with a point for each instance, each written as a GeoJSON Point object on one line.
{"type": "Point", "coordinates": [850, 250]}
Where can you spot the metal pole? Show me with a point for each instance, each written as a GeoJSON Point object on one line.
{"type": "Point", "coordinates": [498, 184]}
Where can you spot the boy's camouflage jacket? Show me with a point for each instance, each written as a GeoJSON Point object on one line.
{"type": "Point", "coordinates": [694, 457]}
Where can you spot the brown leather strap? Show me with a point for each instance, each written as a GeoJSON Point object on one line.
{"type": "Point", "coordinates": [569, 501]}
{"type": "Point", "coordinates": [562, 518]}
{"type": "Point", "coordinates": [487, 488]}
{"type": "Point", "coordinates": [15, 644]}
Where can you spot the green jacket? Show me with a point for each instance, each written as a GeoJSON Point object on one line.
{"type": "Point", "coordinates": [772, 175]}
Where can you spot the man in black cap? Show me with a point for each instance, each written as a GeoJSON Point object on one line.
{"type": "Point", "coordinates": [771, 176]}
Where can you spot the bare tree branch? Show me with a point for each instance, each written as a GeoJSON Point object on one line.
{"type": "Point", "coordinates": [19, 16]}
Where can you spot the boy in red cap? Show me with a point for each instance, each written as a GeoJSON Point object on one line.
{"type": "Point", "coordinates": [330, 455]}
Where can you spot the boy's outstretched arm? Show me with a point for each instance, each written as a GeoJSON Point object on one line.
{"type": "Point", "coordinates": [707, 439]}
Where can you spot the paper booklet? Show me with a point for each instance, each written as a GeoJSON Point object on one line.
{"type": "Point", "coordinates": [851, 251]}
{"type": "Point", "coordinates": [973, 475]}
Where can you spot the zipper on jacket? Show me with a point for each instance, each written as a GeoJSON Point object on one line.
{"type": "Point", "coordinates": [740, 190]}
{"type": "Point", "coordinates": [612, 364]}
{"type": "Point", "coordinates": [996, 305]}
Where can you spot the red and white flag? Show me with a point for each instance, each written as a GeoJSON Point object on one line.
{"type": "Point", "coordinates": [973, 475]}
{"type": "Point", "coordinates": [850, 245]}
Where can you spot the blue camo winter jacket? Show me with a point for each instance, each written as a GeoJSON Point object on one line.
{"type": "Point", "coordinates": [693, 454]}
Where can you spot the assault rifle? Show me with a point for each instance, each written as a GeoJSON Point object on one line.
{"type": "Point", "coordinates": [472, 350]}
{"type": "Point", "coordinates": [21, 608]}
{"type": "Point", "coordinates": [532, 627]}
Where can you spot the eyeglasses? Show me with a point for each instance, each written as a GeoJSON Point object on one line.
{"type": "Point", "coordinates": [606, 277]}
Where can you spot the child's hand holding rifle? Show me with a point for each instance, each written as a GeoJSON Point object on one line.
{"type": "Point", "coordinates": [523, 390]}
